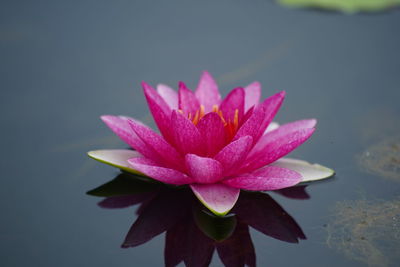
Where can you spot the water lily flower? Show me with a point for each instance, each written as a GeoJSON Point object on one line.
{"type": "Point", "coordinates": [216, 146]}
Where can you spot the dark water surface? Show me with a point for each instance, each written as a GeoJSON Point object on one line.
{"type": "Point", "coordinates": [63, 65]}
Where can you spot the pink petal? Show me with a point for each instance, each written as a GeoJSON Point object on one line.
{"type": "Point", "coordinates": [234, 153]}
{"type": "Point", "coordinates": [246, 116]}
{"type": "Point", "coordinates": [277, 148]}
{"type": "Point", "coordinates": [203, 170]}
{"type": "Point", "coordinates": [207, 92]}
{"type": "Point", "coordinates": [282, 131]}
{"type": "Point", "coordinates": [160, 110]}
{"type": "Point", "coordinates": [120, 126]}
{"type": "Point", "coordinates": [267, 178]}
{"type": "Point", "coordinates": [187, 137]}
{"type": "Point", "coordinates": [212, 131]}
{"type": "Point", "coordinates": [232, 102]}
{"type": "Point", "coordinates": [261, 117]}
{"type": "Point", "coordinates": [169, 95]}
{"type": "Point", "coordinates": [188, 102]}
{"type": "Point", "coordinates": [252, 95]}
{"type": "Point", "coordinates": [165, 175]}
{"type": "Point", "coordinates": [167, 153]}
{"type": "Point", "coordinates": [218, 198]}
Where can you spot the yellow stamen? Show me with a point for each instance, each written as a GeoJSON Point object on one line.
{"type": "Point", "coordinates": [222, 117]}
{"type": "Point", "coordinates": [201, 111]}
{"type": "Point", "coordinates": [215, 108]}
{"type": "Point", "coordinates": [236, 120]}
{"type": "Point", "coordinates": [231, 124]}
{"type": "Point", "coordinates": [196, 118]}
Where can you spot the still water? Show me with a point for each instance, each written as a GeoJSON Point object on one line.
{"type": "Point", "coordinates": [63, 65]}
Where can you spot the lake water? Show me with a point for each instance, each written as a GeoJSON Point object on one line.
{"type": "Point", "coordinates": [63, 65]}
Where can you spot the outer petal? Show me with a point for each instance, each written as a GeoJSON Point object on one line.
{"type": "Point", "coordinates": [291, 127]}
{"type": "Point", "coordinates": [169, 95]}
{"type": "Point", "coordinates": [252, 95]}
{"type": "Point", "coordinates": [188, 102]}
{"type": "Point", "coordinates": [160, 110]}
{"type": "Point", "coordinates": [212, 131]}
{"type": "Point", "coordinates": [218, 198]}
{"type": "Point", "coordinates": [280, 131]}
{"type": "Point", "coordinates": [234, 153]}
{"type": "Point", "coordinates": [277, 148]}
{"type": "Point", "coordinates": [309, 172]}
{"type": "Point", "coordinates": [167, 153]}
{"type": "Point", "coordinates": [116, 158]}
{"type": "Point", "coordinates": [207, 92]}
{"type": "Point", "coordinates": [203, 170]}
{"type": "Point", "coordinates": [268, 178]}
{"type": "Point", "coordinates": [120, 126]}
{"type": "Point", "coordinates": [261, 117]}
{"type": "Point", "coordinates": [165, 175]}
{"type": "Point", "coordinates": [233, 101]}
{"type": "Point", "coordinates": [186, 135]}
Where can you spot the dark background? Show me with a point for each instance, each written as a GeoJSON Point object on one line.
{"type": "Point", "coordinates": [65, 63]}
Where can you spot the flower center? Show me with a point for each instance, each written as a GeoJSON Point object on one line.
{"type": "Point", "coordinates": [231, 125]}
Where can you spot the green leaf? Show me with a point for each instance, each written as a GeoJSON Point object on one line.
{"type": "Point", "coordinates": [345, 6]}
{"type": "Point", "coordinates": [124, 184]}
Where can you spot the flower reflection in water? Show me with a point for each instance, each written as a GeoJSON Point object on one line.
{"type": "Point", "coordinates": [192, 232]}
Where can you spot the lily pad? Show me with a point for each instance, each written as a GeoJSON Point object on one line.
{"type": "Point", "coordinates": [310, 172]}
{"type": "Point", "coordinates": [116, 158]}
{"type": "Point", "coordinates": [345, 6]}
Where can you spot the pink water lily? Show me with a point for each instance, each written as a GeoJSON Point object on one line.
{"type": "Point", "coordinates": [216, 146]}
